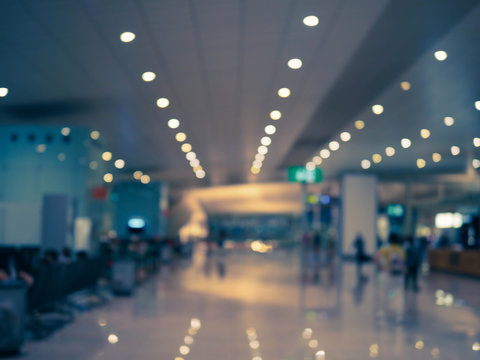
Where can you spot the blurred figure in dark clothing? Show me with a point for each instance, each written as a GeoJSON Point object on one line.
{"type": "Point", "coordinates": [50, 257]}
{"type": "Point", "coordinates": [412, 263]}
{"type": "Point", "coordinates": [360, 256]}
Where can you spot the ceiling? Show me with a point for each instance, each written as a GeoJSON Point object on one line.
{"type": "Point", "coordinates": [221, 62]}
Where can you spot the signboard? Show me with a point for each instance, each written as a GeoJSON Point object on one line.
{"type": "Point", "coordinates": [302, 175]}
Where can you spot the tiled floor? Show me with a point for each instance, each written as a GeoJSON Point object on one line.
{"type": "Point", "coordinates": [332, 312]}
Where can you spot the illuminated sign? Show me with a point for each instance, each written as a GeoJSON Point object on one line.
{"type": "Point", "coordinates": [302, 175]}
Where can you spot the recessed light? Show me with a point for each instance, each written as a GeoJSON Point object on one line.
{"type": "Point", "coordinates": [41, 148]}
{"type": "Point", "coordinates": [120, 164]}
{"type": "Point", "coordinates": [137, 174]}
{"type": "Point", "coordinates": [405, 85]}
{"type": "Point", "coordinates": [266, 141]}
{"type": "Point", "coordinates": [477, 105]}
{"type": "Point", "coordinates": [181, 137]}
{"type": "Point", "coordinates": [359, 124]}
{"type": "Point", "coordinates": [194, 163]}
{"type": "Point", "coordinates": [476, 142]}
{"type": "Point", "coordinates": [421, 163]}
{"type": "Point", "coordinates": [3, 92]}
{"type": "Point", "coordinates": [389, 151]}
{"type": "Point", "coordinates": [377, 109]}
{"type": "Point", "coordinates": [186, 147]}
{"type": "Point", "coordinates": [325, 153]}
{"type": "Point", "coordinates": [262, 150]}
{"type": "Point", "coordinates": [200, 174]}
{"type": "Point", "coordinates": [127, 36]}
{"type": "Point", "coordinates": [476, 163]}
{"type": "Point", "coordinates": [173, 123]}
{"type": "Point", "coordinates": [259, 157]}
{"type": "Point", "coordinates": [317, 160]}
{"type": "Point", "coordinates": [448, 120]}
{"type": "Point", "coordinates": [436, 157]}
{"type": "Point", "coordinates": [270, 129]}
{"type": "Point", "coordinates": [295, 63]}
{"type": "Point", "coordinates": [365, 164]}
{"type": "Point", "coordinates": [334, 145]}
{"type": "Point", "coordinates": [108, 178]}
{"type": "Point", "coordinates": [257, 164]}
{"type": "Point", "coordinates": [163, 103]}
{"type": "Point", "coordinates": [95, 135]}
{"type": "Point", "coordinates": [284, 92]}
{"type": "Point", "coordinates": [197, 168]}
{"type": "Point", "coordinates": [61, 157]}
{"type": "Point", "coordinates": [65, 131]}
{"type": "Point", "coordinates": [425, 133]}
{"type": "Point", "coordinates": [310, 166]}
{"type": "Point", "coordinates": [275, 115]}
{"type": "Point", "coordinates": [191, 155]}
{"type": "Point", "coordinates": [107, 156]}
{"type": "Point", "coordinates": [93, 165]}
{"type": "Point", "coordinates": [440, 55]}
{"type": "Point", "coordinates": [376, 158]}
{"type": "Point", "coordinates": [455, 150]}
{"type": "Point", "coordinates": [254, 171]}
{"type": "Point", "coordinates": [406, 143]}
{"type": "Point", "coordinates": [145, 179]}
{"type": "Point", "coordinates": [310, 20]}
{"type": "Point", "coordinates": [148, 76]}
{"type": "Point", "coordinates": [345, 136]}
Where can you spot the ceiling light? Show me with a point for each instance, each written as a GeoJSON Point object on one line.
{"type": "Point", "coordinates": [476, 163]}
{"type": "Point", "coordinates": [275, 115]}
{"type": "Point", "coordinates": [95, 135]}
{"type": "Point", "coordinates": [448, 120]}
{"type": "Point", "coordinates": [270, 129]}
{"type": "Point", "coordinates": [284, 92]}
{"type": "Point", "coordinates": [107, 156]}
{"type": "Point", "coordinates": [180, 137]}
{"type": "Point", "coordinates": [41, 148]}
{"type": "Point", "coordinates": [61, 157]}
{"type": "Point", "coordinates": [65, 131]}
{"type": "Point", "coordinates": [119, 164]}
{"type": "Point", "coordinates": [127, 36]}
{"type": "Point", "coordinates": [108, 178]}
{"type": "Point", "coordinates": [455, 150]}
{"type": "Point", "coordinates": [325, 153]}
{"type": "Point", "coordinates": [137, 174]}
{"type": "Point", "coordinates": [145, 179]}
{"type": "Point", "coordinates": [93, 165]}
{"type": "Point", "coordinates": [376, 158]}
{"type": "Point", "coordinates": [257, 164]}
{"type": "Point", "coordinates": [194, 162]}
{"type": "Point", "coordinates": [262, 150]}
{"type": "Point", "coordinates": [477, 104]}
{"type": "Point", "coordinates": [440, 55]}
{"type": "Point", "coordinates": [421, 163]}
{"type": "Point", "coordinates": [405, 85]}
{"type": "Point", "coordinates": [265, 141]}
{"type": "Point", "coordinates": [163, 103]}
{"type": "Point", "coordinates": [310, 166]}
{"type": "Point", "coordinates": [317, 160]}
{"type": "Point", "coordinates": [389, 151]}
{"type": "Point", "coordinates": [365, 164]}
{"type": "Point", "coordinates": [191, 155]}
{"type": "Point", "coordinates": [295, 64]}
{"type": "Point", "coordinates": [197, 168]}
{"type": "Point", "coordinates": [406, 143]}
{"type": "Point", "coordinates": [148, 76]}
{"type": "Point", "coordinates": [359, 124]}
{"type": "Point", "coordinates": [345, 136]}
{"type": "Point", "coordinates": [425, 133]}
{"type": "Point", "coordinates": [200, 174]}
{"type": "Point", "coordinates": [377, 109]}
{"type": "Point", "coordinates": [186, 147]}
{"type": "Point", "coordinates": [334, 145]}
{"type": "Point", "coordinates": [436, 157]}
{"type": "Point", "coordinates": [254, 171]}
{"type": "Point", "coordinates": [310, 20]}
{"type": "Point", "coordinates": [259, 157]}
{"type": "Point", "coordinates": [3, 92]}
{"type": "Point", "coordinates": [476, 142]}
{"type": "Point", "coordinates": [173, 123]}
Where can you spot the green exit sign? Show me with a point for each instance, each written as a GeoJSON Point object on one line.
{"type": "Point", "coordinates": [302, 175]}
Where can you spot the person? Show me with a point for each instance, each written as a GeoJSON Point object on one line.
{"type": "Point", "coordinates": [412, 263]}
{"type": "Point", "coordinates": [391, 257]}
{"type": "Point", "coordinates": [360, 256]}
{"type": "Point", "coordinates": [65, 256]}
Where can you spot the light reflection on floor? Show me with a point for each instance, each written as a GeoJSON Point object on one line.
{"type": "Point", "coordinates": [261, 307]}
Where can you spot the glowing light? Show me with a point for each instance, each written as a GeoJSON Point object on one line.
{"type": "Point", "coordinates": [95, 135]}
{"type": "Point", "coordinates": [178, 358]}
{"type": "Point", "coordinates": [191, 155]}
{"type": "Point", "coordinates": [310, 20]}
{"type": "Point", "coordinates": [195, 324]}
{"type": "Point", "coordinates": [425, 133]}
{"type": "Point", "coordinates": [137, 175]}
{"type": "Point", "coordinates": [317, 160]}
{"type": "Point", "coordinates": [294, 64]}
{"type": "Point", "coordinates": [270, 129]}
{"type": "Point", "coordinates": [102, 323]}
{"type": "Point", "coordinates": [376, 158]}
{"type": "Point", "coordinates": [180, 137]}
{"type": "Point", "coordinates": [455, 150]}
{"type": "Point", "coordinates": [284, 92]}
{"type": "Point", "coordinates": [127, 36]}
{"type": "Point", "coordinates": [440, 55]}
{"type": "Point", "coordinates": [259, 157]}
{"type": "Point", "coordinates": [421, 163]}
{"type": "Point", "coordinates": [120, 164]}
{"type": "Point", "coordinates": [320, 355]}
{"type": "Point", "coordinates": [65, 131]}
{"type": "Point", "coordinates": [419, 345]}
{"type": "Point", "coordinates": [334, 145]}
{"type": "Point", "coordinates": [93, 165]}
{"type": "Point", "coordinates": [476, 163]}
{"type": "Point", "coordinates": [173, 123]}
{"type": "Point", "coordinates": [377, 109]}
{"type": "Point", "coordinates": [448, 120]}
{"type": "Point", "coordinates": [112, 339]}
{"type": "Point", "coordinates": [359, 124]}
{"type": "Point", "coordinates": [186, 147]}
{"type": "Point", "coordinates": [476, 142]}
{"type": "Point", "coordinates": [365, 164]}
{"type": "Point", "coordinates": [265, 140]}
{"type": "Point", "coordinates": [148, 76]}
{"type": "Point", "coordinates": [406, 143]}
{"type": "Point", "coordinates": [436, 157]}
{"type": "Point", "coordinates": [477, 105]}
{"type": "Point", "coordinates": [389, 151]}
{"type": "Point", "coordinates": [476, 346]}
{"type": "Point", "coordinates": [257, 164]}
{"type": "Point", "coordinates": [107, 156]}
{"type": "Point", "coordinates": [307, 333]}
{"type": "Point", "coordinates": [194, 162]}
{"type": "Point", "coordinates": [108, 178]}
{"type": "Point", "coordinates": [262, 150]}
{"type": "Point", "coordinates": [254, 344]}
{"type": "Point", "coordinates": [275, 115]}
{"type": "Point", "coordinates": [325, 153]}
{"type": "Point", "coordinates": [313, 343]}
{"type": "Point", "coordinates": [405, 85]}
{"type": "Point", "coordinates": [197, 168]}
{"type": "Point", "coordinates": [345, 136]}
{"type": "Point", "coordinates": [3, 92]}
{"type": "Point", "coordinates": [254, 171]}
{"type": "Point", "coordinates": [435, 352]}
{"type": "Point", "coordinates": [61, 157]}
{"type": "Point", "coordinates": [163, 103]}
{"type": "Point", "coordinates": [184, 350]}
{"type": "Point", "coordinates": [188, 340]}
{"type": "Point", "coordinates": [145, 179]}
{"type": "Point", "coordinates": [41, 148]}
{"type": "Point", "coordinates": [310, 166]}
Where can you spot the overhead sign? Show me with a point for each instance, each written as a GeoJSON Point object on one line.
{"type": "Point", "coordinates": [302, 175]}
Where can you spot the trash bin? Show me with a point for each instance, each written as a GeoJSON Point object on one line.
{"type": "Point", "coordinates": [13, 305]}
{"type": "Point", "coordinates": [123, 276]}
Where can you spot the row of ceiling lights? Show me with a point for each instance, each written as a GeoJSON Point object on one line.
{"type": "Point", "coordinates": [276, 115]}
{"type": "Point", "coordinates": [405, 142]}
{"type": "Point", "coordinates": [163, 103]}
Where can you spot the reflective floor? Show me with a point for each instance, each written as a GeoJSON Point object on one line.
{"type": "Point", "coordinates": [247, 305]}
